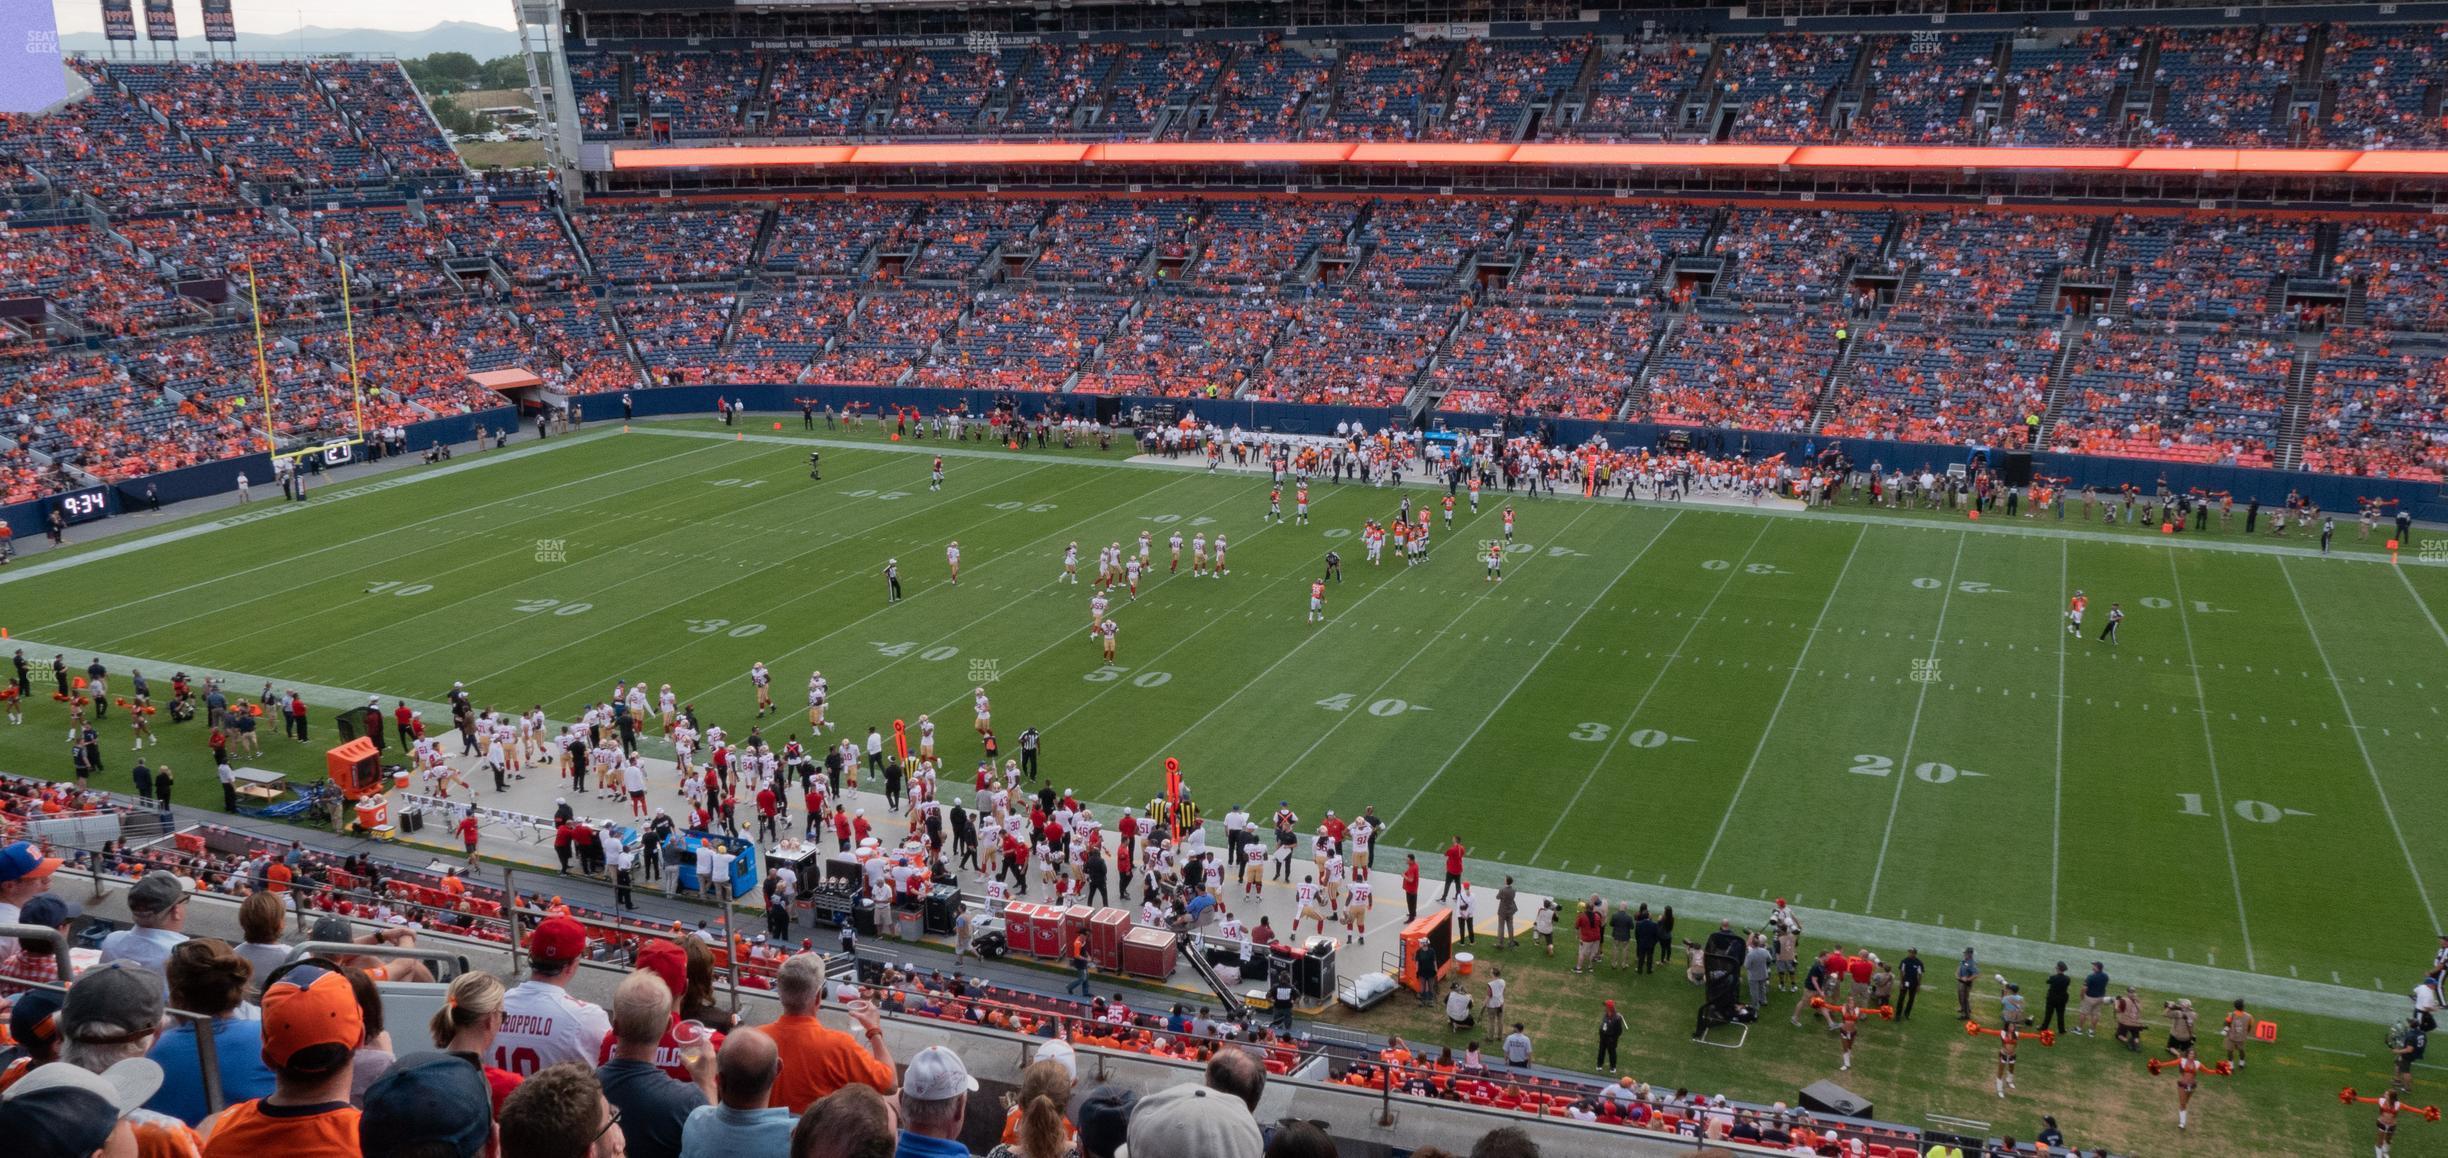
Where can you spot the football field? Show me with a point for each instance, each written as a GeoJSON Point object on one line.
{"type": "Point", "coordinates": [1869, 714]}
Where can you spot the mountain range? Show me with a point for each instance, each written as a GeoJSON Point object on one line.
{"type": "Point", "coordinates": [482, 41]}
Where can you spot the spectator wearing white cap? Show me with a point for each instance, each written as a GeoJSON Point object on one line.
{"type": "Point", "coordinates": [935, 1103]}
{"type": "Point", "coordinates": [1193, 1122]}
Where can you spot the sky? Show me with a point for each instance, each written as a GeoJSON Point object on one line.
{"type": "Point", "coordinates": [272, 17]}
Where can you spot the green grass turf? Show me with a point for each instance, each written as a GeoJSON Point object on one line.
{"type": "Point", "coordinates": [1657, 696]}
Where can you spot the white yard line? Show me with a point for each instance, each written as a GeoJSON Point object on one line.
{"type": "Point", "coordinates": [2218, 790]}
{"type": "Point", "coordinates": [258, 512]}
{"type": "Point", "coordinates": [783, 494]}
{"type": "Point", "coordinates": [1615, 738]}
{"type": "Point", "coordinates": [290, 560]}
{"type": "Point", "coordinates": [1129, 547]}
{"type": "Point", "coordinates": [2419, 605]}
{"type": "Point", "coordinates": [760, 614]}
{"type": "Point", "coordinates": [1212, 619]}
{"type": "Point", "coordinates": [1269, 670]}
{"type": "Point", "coordinates": [821, 543]}
{"type": "Point", "coordinates": [1912, 732]}
{"type": "Point", "coordinates": [2057, 793]}
{"type": "Point", "coordinates": [1795, 674]}
{"type": "Point", "coordinates": [1549, 650]}
{"type": "Point", "coordinates": [2356, 730]}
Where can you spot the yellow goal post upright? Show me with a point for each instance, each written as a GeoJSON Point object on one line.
{"type": "Point", "coordinates": [263, 370]}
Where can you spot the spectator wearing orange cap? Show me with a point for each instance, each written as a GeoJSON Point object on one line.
{"type": "Point", "coordinates": [542, 1024]}
{"type": "Point", "coordinates": [311, 1030]}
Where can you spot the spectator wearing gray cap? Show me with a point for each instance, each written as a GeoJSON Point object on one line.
{"type": "Point", "coordinates": [108, 1021]}
{"type": "Point", "coordinates": [430, 1105]}
{"type": "Point", "coordinates": [935, 1093]}
{"type": "Point", "coordinates": [158, 904]}
{"type": "Point", "coordinates": [1193, 1122]}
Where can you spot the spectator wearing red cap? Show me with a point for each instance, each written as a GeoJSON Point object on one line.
{"type": "Point", "coordinates": [654, 1106]}
{"type": "Point", "coordinates": [542, 1025]}
{"type": "Point", "coordinates": [668, 961]}
{"type": "Point", "coordinates": [311, 1030]}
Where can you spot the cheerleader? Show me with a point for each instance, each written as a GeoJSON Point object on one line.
{"type": "Point", "coordinates": [2008, 1037]}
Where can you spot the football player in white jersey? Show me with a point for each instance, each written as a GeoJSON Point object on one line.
{"type": "Point", "coordinates": [1130, 572]}
{"type": "Point", "coordinates": [1070, 571]}
{"type": "Point", "coordinates": [1198, 555]}
{"type": "Point", "coordinates": [952, 560]}
{"type": "Point", "coordinates": [1220, 569]}
{"type": "Point", "coordinates": [1176, 565]}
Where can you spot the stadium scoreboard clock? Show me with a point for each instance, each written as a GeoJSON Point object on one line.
{"type": "Point", "coordinates": [83, 506]}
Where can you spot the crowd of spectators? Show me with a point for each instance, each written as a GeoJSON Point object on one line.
{"type": "Point", "coordinates": [1986, 266]}
{"type": "Point", "coordinates": [944, 91]}
{"type": "Point", "coordinates": [677, 334]}
{"type": "Point", "coordinates": [1944, 385]}
{"type": "Point", "coordinates": [1781, 86]}
{"type": "Point", "coordinates": [1266, 94]}
{"type": "Point", "coordinates": [887, 335]}
{"type": "Point", "coordinates": [2213, 398]}
{"type": "Point", "coordinates": [2214, 270]}
{"type": "Point", "coordinates": [1384, 89]}
{"type": "Point", "coordinates": [1355, 347]}
{"type": "Point", "coordinates": [656, 243]}
{"type": "Point", "coordinates": [1187, 345]}
{"type": "Point", "coordinates": [1799, 256]}
{"type": "Point", "coordinates": [1150, 79]}
{"type": "Point", "coordinates": [521, 236]}
{"type": "Point", "coordinates": [954, 237]}
{"type": "Point", "coordinates": [1605, 251]}
{"type": "Point", "coordinates": [832, 238]}
{"type": "Point", "coordinates": [1921, 90]}
{"type": "Point", "coordinates": [826, 92]}
{"type": "Point", "coordinates": [2057, 91]}
{"type": "Point", "coordinates": [694, 95]}
{"type": "Point", "coordinates": [2384, 75]}
{"type": "Point", "coordinates": [1640, 91]}
{"type": "Point", "coordinates": [1495, 84]}
{"type": "Point", "coordinates": [1572, 363]}
{"type": "Point", "coordinates": [1761, 369]}
{"type": "Point", "coordinates": [781, 333]}
{"type": "Point", "coordinates": [265, 121]}
{"type": "Point", "coordinates": [1021, 340]}
{"type": "Point", "coordinates": [110, 147]}
{"type": "Point", "coordinates": [1252, 244]}
{"type": "Point", "coordinates": [1104, 242]}
{"type": "Point", "coordinates": [89, 276]}
{"type": "Point", "coordinates": [1422, 244]}
{"type": "Point", "coordinates": [2378, 407]}
{"type": "Point", "coordinates": [2222, 85]}
{"type": "Point", "coordinates": [2405, 285]}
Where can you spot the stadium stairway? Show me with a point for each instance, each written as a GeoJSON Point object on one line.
{"type": "Point", "coordinates": [2287, 452]}
{"type": "Point", "coordinates": [2069, 336]}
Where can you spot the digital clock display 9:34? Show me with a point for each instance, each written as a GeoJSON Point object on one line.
{"type": "Point", "coordinates": [84, 505]}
